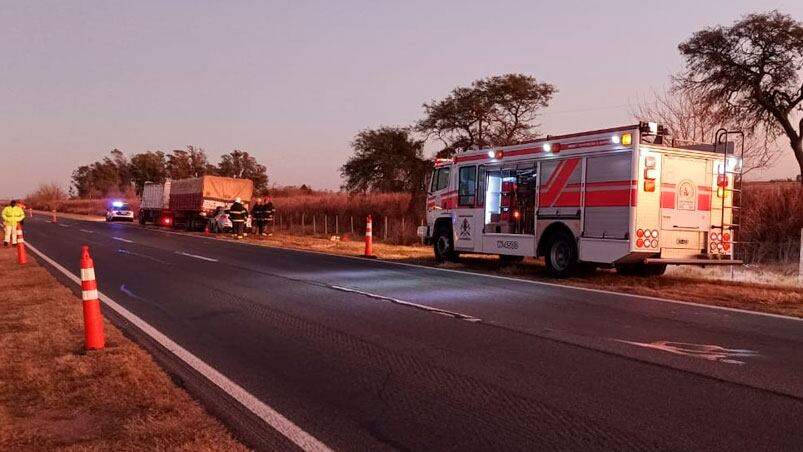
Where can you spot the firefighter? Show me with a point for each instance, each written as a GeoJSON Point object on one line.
{"type": "Point", "coordinates": [237, 215]}
{"type": "Point", "coordinates": [269, 217]}
{"type": "Point", "coordinates": [12, 215]}
{"type": "Point", "coordinates": [260, 215]}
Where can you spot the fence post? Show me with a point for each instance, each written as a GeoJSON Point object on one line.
{"type": "Point", "coordinates": [314, 226]}
{"type": "Point", "coordinates": [303, 223]}
{"type": "Point", "coordinates": [800, 269]}
{"type": "Point", "coordinates": [326, 225]}
{"type": "Point", "coordinates": [281, 222]}
{"type": "Point", "coordinates": [385, 232]}
{"type": "Point", "coordinates": [402, 231]}
{"type": "Point", "coordinates": [337, 224]}
{"type": "Point", "coordinates": [352, 225]}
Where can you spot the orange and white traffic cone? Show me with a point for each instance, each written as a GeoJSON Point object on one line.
{"type": "Point", "coordinates": [206, 230]}
{"type": "Point", "coordinates": [369, 238]}
{"type": "Point", "coordinates": [53, 218]}
{"type": "Point", "coordinates": [93, 322]}
{"type": "Point", "coordinates": [22, 255]}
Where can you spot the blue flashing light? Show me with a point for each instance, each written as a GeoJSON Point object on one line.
{"type": "Point", "coordinates": [117, 204]}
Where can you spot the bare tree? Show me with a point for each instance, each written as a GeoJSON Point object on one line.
{"type": "Point", "coordinates": [751, 70]}
{"type": "Point", "coordinates": [689, 120]}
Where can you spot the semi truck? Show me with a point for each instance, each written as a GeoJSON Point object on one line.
{"type": "Point", "coordinates": [190, 202]}
{"type": "Point", "coordinates": [626, 197]}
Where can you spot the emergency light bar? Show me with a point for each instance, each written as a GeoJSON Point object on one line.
{"type": "Point", "coordinates": [117, 203]}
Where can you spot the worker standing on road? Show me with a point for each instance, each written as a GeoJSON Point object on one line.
{"type": "Point", "coordinates": [260, 215]}
{"type": "Point", "coordinates": [12, 215]}
{"type": "Point", "coordinates": [237, 215]}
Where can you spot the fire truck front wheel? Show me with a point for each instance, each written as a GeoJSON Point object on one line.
{"type": "Point", "coordinates": [561, 255]}
{"type": "Point", "coordinates": [443, 245]}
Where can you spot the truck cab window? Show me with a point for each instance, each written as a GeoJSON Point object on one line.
{"type": "Point", "coordinates": [440, 179]}
{"type": "Point", "coordinates": [467, 186]}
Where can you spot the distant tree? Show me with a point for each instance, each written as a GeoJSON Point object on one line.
{"type": "Point", "coordinates": [750, 71]}
{"type": "Point", "coordinates": [190, 163]}
{"type": "Point", "coordinates": [687, 120]}
{"type": "Point", "coordinates": [387, 159]}
{"type": "Point", "coordinates": [494, 111]}
{"type": "Point", "coordinates": [241, 164]}
{"type": "Point", "coordinates": [81, 185]}
{"type": "Point", "coordinates": [46, 193]}
{"type": "Point", "coordinates": [147, 167]}
{"type": "Point", "coordinates": [109, 176]}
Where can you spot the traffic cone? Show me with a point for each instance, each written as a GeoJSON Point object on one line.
{"type": "Point", "coordinates": [22, 255]}
{"type": "Point", "coordinates": [206, 230]}
{"type": "Point", "coordinates": [53, 219]}
{"type": "Point", "coordinates": [369, 238]}
{"type": "Point", "coordinates": [93, 322]}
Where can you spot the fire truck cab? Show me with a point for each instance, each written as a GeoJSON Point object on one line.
{"type": "Point", "coordinates": [616, 197]}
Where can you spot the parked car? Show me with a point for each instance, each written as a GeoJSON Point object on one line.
{"type": "Point", "coordinates": [219, 221]}
{"type": "Point", "coordinates": [119, 210]}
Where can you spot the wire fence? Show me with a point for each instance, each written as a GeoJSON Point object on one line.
{"type": "Point", "coordinates": [396, 230]}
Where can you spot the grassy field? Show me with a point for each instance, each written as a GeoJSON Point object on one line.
{"type": "Point", "coordinates": [55, 396]}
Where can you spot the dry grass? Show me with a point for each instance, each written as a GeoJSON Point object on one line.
{"type": "Point", "coordinates": [340, 212]}
{"type": "Point", "coordinates": [771, 222]}
{"type": "Point", "coordinates": [54, 396]}
{"type": "Point", "coordinates": [766, 289]}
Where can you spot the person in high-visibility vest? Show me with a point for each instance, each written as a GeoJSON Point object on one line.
{"type": "Point", "coordinates": [12, 215]}
{"type": "Point", "coordinates": [237, 215]}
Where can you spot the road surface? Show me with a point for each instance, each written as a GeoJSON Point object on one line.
{"type": "Point", "coordinates": [371, 355]}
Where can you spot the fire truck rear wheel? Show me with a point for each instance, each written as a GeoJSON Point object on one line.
{"type": "Point", "coordinates": [443, 245]}
{"type": "Point", "coordinates": [561, 255]}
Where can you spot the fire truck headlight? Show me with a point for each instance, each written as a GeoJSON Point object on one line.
{"type": "Point", "coordinates": [491, 154]}
{"type": "Point", "coordinates": [615, 139]}
{"type": "Point", "coordinates": [547, 147]}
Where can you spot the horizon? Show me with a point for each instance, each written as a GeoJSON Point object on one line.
{"type": "Point", "coordinates": [303, 79]}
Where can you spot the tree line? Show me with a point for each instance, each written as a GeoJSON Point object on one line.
{"type": "Point", "coordinates": [742, 77]}
{"type": "Point", "coordinates": [118, 174]}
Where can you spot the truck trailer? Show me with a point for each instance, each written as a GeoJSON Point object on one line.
{"type": "Point", "coordinates": [190, 202]}
{"type": "Point", "coordinates": [626, 197]}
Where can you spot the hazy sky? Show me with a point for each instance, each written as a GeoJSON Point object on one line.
{"type": "Point", "coordinates": [292, 82]}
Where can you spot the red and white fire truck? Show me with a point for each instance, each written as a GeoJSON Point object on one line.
{"type": "Point", "coordinates": [627, 197]}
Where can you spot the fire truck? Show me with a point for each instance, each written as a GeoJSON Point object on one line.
{"type": "Point", "coordinates": [626, 197]}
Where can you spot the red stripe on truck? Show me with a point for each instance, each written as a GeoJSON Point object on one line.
{"type": "Point", "coordinates": [667, 199]}
{"type": "Point", "coordinates": [704, 201]}
{"type": "Point", "coordinates": [611, 198]}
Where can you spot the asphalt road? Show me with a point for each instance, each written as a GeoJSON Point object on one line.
{"type": "Point", "coordinates": [370, 355]}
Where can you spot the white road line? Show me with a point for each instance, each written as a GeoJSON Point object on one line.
{"type": "Point", "coordinates": [270, 416]}
{"type": "Point", "coordinates": [144, 256]}
{"type": "Point", "coordinates": [434, 310]}
{"type": "Point", "coordinates": [120, 239]}
{"type": "Point", "coordinates": [203, 258]}
{"type": "Point", "coordinates": [87, 231]}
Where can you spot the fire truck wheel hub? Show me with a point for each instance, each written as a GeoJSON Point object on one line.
{"type": "Point", "coordinates": [560, 255]}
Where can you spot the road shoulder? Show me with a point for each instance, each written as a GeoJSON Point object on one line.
{"type": "Point", "coordinates": [56, 395]}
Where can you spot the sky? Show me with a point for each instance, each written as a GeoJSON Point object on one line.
{"type": "Point", "coordinates": [293, 82]}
